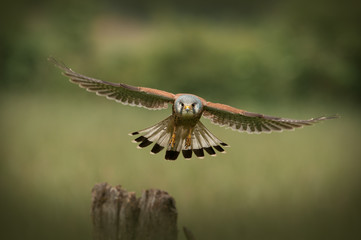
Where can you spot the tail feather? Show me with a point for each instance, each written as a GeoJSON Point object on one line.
{"type": "Point", "coordinates": [177, 144]}
{"type": "Point", "coordinates": [156, 149]}
{"type": "Point", "coordinates": [210, 151]}
{"type": "Point", "coordinates": [199, 152]}
{"type": "Point", "coordinates": [164, 139]}
{"type": "Point", "coordinates": [187, 154]}
{"type": "Point", "coordinates": [157, 133]}
{"type": "Point", "coordinates": [171, 155]}
{"type": "Point", "coordinates": [202, 140]}
{"type": "Point", "coordinates": [139, 139]}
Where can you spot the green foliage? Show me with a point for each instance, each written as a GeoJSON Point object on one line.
{"type": "Point", "coordinates": [277, 55]}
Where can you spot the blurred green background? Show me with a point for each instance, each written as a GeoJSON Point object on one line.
{"type": "Point", "coordinates": [297, 59]}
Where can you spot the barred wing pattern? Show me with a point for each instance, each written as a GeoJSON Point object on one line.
{"type": "Point", "coordinates": [129, 95]}
{"type": "Point", "coordinates": [244, 121]}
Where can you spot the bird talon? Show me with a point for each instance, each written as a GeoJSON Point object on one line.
{"type": "Point", "coordinates": [188, 141]}
{"type": "Point", "coordinates": [172, 140]}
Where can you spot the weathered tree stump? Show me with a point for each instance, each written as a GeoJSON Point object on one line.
{"type": "Point", "coordinates": [119, 215]}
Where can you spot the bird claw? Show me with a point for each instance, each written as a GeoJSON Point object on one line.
{"type": "Point", "coordinates": [188, 141]}
{"type": "Point", "coordinates": [172, 140]}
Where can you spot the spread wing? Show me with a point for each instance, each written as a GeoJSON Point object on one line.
{"type": "Point", "coordinates": [244, 121]}
{"type": "Point", "coordinates": [135, 96]}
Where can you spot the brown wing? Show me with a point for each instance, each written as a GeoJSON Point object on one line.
{"type": "Point", "coordinates": [244, 121]}
{"type": "Point", "coordinates": [135, 96]}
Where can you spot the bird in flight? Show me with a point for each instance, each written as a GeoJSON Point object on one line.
{"type": "Point", "coordinates": [183, 131]}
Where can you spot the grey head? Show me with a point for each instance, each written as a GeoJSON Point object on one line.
{"type": "Point", "coordinates": [188, 105]}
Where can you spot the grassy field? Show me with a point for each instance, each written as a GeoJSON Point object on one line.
{"type": "Point", "coordinates": [303, 184]}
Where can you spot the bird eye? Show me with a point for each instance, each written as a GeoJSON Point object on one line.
{"type": "Point", "coordinates": [193, 104]}
{"type": "Point", "coordinates": [182, 104]}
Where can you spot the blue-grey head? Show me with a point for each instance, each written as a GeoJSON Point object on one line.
{"type": "Point", "coordinates": [188, 106]}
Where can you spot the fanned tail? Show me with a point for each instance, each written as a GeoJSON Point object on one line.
{"type": "Point", "coordinates": [203, 139]}
{"type": "Point", "coordinates": [179, 139]}
{"type": "Point", "coordinates": [157, 133]}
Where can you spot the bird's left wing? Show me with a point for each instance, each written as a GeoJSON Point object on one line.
{"type": "Point", "coordinates": [135, 96]}
{"type": "Point", "coordinates": [244, 121]}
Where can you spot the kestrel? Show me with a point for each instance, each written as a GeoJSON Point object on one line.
{"type": "Point", "coordinates": [183, 130]}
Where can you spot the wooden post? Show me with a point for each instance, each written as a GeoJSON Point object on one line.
{"type": "Point", "coordinates": [119, 215]}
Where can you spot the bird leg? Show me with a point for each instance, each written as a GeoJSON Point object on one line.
{"type": "Point", "coordinates": [188, 139]}
{"type": "Point", "coordinates": [172, 139]}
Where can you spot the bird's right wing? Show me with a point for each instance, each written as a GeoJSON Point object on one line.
{"type": "Point", "coordinates": [130, 95]}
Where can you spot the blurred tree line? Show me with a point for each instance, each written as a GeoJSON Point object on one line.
{"type": "Point", "coordinates": [277, 50]}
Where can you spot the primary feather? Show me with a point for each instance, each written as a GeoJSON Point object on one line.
{"type": "Point", "coordinates": [129, 95]}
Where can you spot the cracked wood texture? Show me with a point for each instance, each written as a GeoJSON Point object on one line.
{"type": "Point", "coordinates": [120, 215]}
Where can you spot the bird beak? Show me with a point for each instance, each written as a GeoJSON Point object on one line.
{"type": "Point", "coordinates": [187, 108]}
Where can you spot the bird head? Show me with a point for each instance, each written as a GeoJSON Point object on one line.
{"type": "Point", "coordinates": [188, 106]}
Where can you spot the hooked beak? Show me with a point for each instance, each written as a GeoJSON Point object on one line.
{"type": "Point", "coordinates": [188, 108]}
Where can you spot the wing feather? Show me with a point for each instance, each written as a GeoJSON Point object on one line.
{"type": "Point", "coordinates": [243, 121]}
{"type": "Point", "coordinates": [129, 95]}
